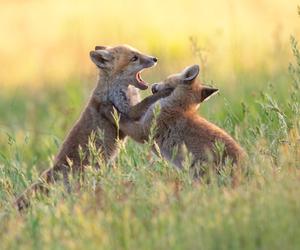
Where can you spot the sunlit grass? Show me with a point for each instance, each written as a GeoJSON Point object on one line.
{"type": "Point", "coordinates": [142, 202]}
{"type": "Point", "coordinates": [145, 203]}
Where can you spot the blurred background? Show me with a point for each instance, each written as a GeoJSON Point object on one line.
{"type": "Point", "coordinates": [47, 42]}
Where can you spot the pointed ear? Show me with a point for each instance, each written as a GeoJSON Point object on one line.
{"type": "Point", "coordinates": [190, 73]}
{"type": "Point", "coordinates": [102, 58]}
{"type": "Point", "coordinates": [207, 92]}
{"type": "Point", "coordinates": [100, 47]}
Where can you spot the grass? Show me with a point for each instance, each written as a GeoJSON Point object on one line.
{"type": "Point", "coordinates": [142, 202]}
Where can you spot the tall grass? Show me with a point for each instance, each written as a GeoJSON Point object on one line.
{"type": "Point", "coordinates": [142, 202]}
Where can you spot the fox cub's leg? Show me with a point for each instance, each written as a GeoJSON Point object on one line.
{"type": "Point", "coordinates": [130, 127]}
{"type": "Point", "coordinates": [49, 176]}
{"type": "Point", "coordinates": [138, 110]}
{"type": "Point", "coordinates": [135, 129]}
{"type": "Point", "coordinates": [131, 124]}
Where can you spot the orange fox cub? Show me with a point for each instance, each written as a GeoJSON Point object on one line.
{"type": "Point", "coordinates": [118, 83]}
{"type": "Point", "coordinates": [178, 125]}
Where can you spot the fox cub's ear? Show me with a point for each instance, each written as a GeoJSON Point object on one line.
{"type": "Point", "coordinates": [190, 73]}
{"type": "Point", "coordinates": [100, 47]}
{"type": "Point", "coordinates": [101, 57]}
{"type": "Point", "coordinates": [207, 92]}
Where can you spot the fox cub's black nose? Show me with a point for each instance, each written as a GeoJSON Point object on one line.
{"type": "Point", "coordinates": [154, 59]}
{"type": "Point", "coordinates": [154, 88]}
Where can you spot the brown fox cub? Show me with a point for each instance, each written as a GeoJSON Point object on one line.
{"type": "Point", "coordinates": [119, 77]}
{"type": "Point", "coordinates": [178, 125]}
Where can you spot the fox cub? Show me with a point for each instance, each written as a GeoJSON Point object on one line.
{"type": "Point", "coordinates": [119, 79]}
{"type": "Point", "coordinates": [179, 127]}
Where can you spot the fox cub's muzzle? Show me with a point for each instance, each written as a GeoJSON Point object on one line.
{"type": "Point", "coordinates": [154, 88]}
{"type": "Point", "coordinates": [158, 87]}
{"type": "Point", "coordinates": [148, 61]}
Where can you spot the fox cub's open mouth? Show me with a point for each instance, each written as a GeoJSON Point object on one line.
{"type": "Point", "coordinates": [148, 63]}
{"type": "Point", "coordinates": [142, 84]}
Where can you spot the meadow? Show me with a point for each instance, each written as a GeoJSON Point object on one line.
{"type": "Point", "coordinates": [248, 49]}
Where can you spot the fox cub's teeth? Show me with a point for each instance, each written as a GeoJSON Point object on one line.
{"type": "Point", "coordinates": [139, 77]}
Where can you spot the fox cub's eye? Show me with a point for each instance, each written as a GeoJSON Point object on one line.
{"type": "Point", "coordinates": [134, 58]}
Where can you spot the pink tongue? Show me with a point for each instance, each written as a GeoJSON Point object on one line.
{"type": "Point", "coordinates": [142, 85]}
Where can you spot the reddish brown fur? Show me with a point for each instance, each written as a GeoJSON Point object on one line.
{"type": "Point", "coordinates": [117, 71]}
{"type": "Point", "coordinates": [179, 125]}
